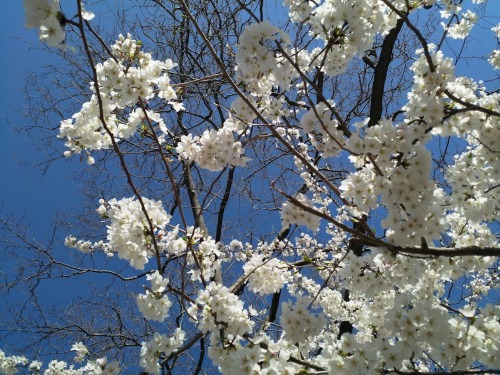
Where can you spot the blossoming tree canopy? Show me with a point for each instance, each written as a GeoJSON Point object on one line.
{"type": "Point", "coordinates": [377, 224]}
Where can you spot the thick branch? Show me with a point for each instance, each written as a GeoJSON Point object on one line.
{"type": "Point", "coordinates": [193, 199]}
{"type": "Point", "coordinates": [442, 251]}
{"type": "Point", "coordinates": [431, 64]}
{"type": "Point", "coordinates": [459, 372]}
{"type": "Point", "coordinates": [376, 242]}
{"type": "Point", "coordinates": [223, 204]}
{"type": "Point", "coordinates": [380, 74]}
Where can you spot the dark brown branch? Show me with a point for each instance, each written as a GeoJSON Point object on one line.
{"type": "Point", "coordinates": [470, 106]}
{"type": "Point", "coordinates": [380, 74]}
{"type": "Point", "coordinates": [255, 110]}
{"type": "Point", "coordinates": [273, 310]}
{"type": "Point", "coordinates": [459, 372]}
{"type": "Point", "coordinates": [223, 204]}
{"type": "Point", "coordinates": [426, 251]}
{"type": "Point", "coordinates": [417, 33]}
{"type": "Point", "coordinates": [199, 365]}
{"type": "Point", "coordinates": [193, 198]}
{"type": "Point", "coordinates": [121, 157]}
{"type": "Point", "coordinates": [432, 66]}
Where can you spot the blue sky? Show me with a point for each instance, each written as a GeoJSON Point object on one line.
{"type": "Point", "coordinates": [27, 195]}
{"type": "Point", "coordinates": [24, 190]}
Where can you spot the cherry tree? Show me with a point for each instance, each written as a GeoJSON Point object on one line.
{"type": "Point", "coordinates": [371, 162]}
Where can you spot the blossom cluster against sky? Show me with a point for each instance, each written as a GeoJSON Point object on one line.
{"type": "Point", "coordinates": [33, 192]}
{"type": "Point", "coordinates": [24, 191]}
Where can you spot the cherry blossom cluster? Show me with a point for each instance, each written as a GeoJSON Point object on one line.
{"type": "Point", "coordinates": [292, 214]}
{"type": "Point", "coordinates": [299, 323]}
{"type": "Point", "coordinates": [214, 150]}
{"type": "Point", "coordinates": [245, 359]}
{"type": "Point", "coordinates": [241, 116]}
{"type": "Point", "coordinates": [126, 82]}
{"type": "Point", "coordinates": [81, 351]}
{"type": "Point", "coordinates": [452, 11]}
{"type": "Point", "coordinates": [129, 232]}
{"type": "Point", "coordinates": [344, 28]}
{"type": "Point", "coordinates": [494, 59]}
{"type": "Point", "coordinates": [99, 366]}
{"type": "Point", "coordinates": [425, 99]}
{"type": "Point", "coordinates": [9, 365]}
{"type": "Point", "coordinates": [102, 366]}
{"type": "Point", "coordinates": [204, 256]}
{"type": "Point", "coordinates": [154, 303]}
{"type": "Point", "coordinates": [417, 327]}
{"type": "Point", "coordinates": [159, 347]}
{"type": "Point", "coordinates": [461, 28]}
{"type": "Point", "coordinates": [465, 232]}
{"type": "Point", "coordinates": [266, 276]}
{"type": "Point", "coordinates": [253, 359]}
{"type": "Point", "coordinates": [474, 192]}
{"type": "Point", "coordinates": [43, 16]}
{"type": "Point", "coordinates": [260, 68]}
{"type": "Point", "coordinates": [399, 181]}
{"type": "Point", "coordinates": [46, 17]}
{"type": "Point", "coordinates": [323, 130]}
{"type": "Point", "coordinates": [88, 246]}
{"type": "Point", "coordinates": [217, 308]}
{"type": "Point", "coordinates": [260, 64]}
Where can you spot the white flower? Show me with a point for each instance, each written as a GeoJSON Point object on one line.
{"type": "Point", "coordinates": [51, 32]}
{"type": "Point", "coordinates": [81, 351]}
{"type": "Point", "coordinates": [213, 150]}
{"type": "Point", "coordinates": [8, 365]}
{"type": "Point", "coordinates": [216, 307]}
{"type": "Point", "coordinates": [177, 106]}
{"type": "Point", "coordinates": [299, 323]}
{"type": "Point", "coordinates": [35, 366]}
{"type": "Point", "coordinates": [266, 275]}
{"type": "Point", "coordinates": [154, 304]}
{"type": "Point", "coordinates": [121, 81]}
{"type": "Point", "coordinates": [292, 214]}
{"type": "Point", "coordinates": [101, 366]}
{"type": "Point", "coordinates": [87, 15]}
{"type": "Point", "coordinates": [39, 11]}
{"type": "Point", "coordinates": [495, 59]}
{"type": "Point", "coordinates": [462, 28]}
{"type": "Point", "coordinates": [129, 230]}
{"type": "Point", "coordinates": [159, 345]}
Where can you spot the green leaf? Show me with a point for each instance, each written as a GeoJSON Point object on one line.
{"type": "Point", "coordinates": [306, 259]}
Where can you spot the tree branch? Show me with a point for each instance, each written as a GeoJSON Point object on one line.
{"type": "Point", "coordinates": [380, 74]}
{"type": "Point", "coordinates": [395, 249]}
